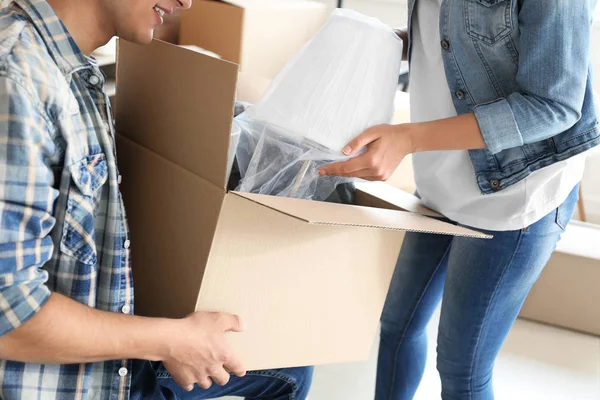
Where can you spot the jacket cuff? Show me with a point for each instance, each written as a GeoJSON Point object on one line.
{"type": "Point", "coordinates": [498, 126]}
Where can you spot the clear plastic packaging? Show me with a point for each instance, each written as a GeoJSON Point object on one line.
{"type": "Point", "coordinates": [341, 83]}
{"type": "Point", "coordinates": [275, 164]}
{"type": "Point", "coordinates": [233, 144]}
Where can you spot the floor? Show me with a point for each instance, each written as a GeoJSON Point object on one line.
{"type": "Point", "coordinates": [537, 362]}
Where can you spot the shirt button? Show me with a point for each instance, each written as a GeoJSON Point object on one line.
{"type": "Point", "coordinates": [445, 45]}
{"type": "Point", "coordinates": [126, 309]}
{"type": "Point", "coordinates": [495, 184]}
{"type": "Point", "coordinates": [460, 94]}
{"type": "Point", "coordinates": [127, 244]}
{"type": "Point", "coordinates": [94, 80]}
{"type": "Point", "coordinates": [119, 179]}
{"type": "Point", "coordinates": [123, 371]}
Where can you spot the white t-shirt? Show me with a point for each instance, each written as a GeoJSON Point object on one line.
{"type": "Point", "coordinates": [446, 179]}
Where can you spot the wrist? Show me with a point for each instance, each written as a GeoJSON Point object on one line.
{"type": "Point", "coordinates": [410, 137]}
{"type": "Point", "coordinates": [156, 338]}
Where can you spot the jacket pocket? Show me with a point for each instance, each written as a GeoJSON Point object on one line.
{"type": "Point", "coordinates": [87, 177]}
{"type": "Point", "coordinates": [488, 21]}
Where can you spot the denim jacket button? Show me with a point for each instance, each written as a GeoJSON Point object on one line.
{"type": "Point", "coordinates": [495, 184]}
{"type": "Point", "coordinates": [445, 45]}
{"type": "Point", "coordinates": [94, 80]}
{"type": "Point", "coordinates": [460, 94]}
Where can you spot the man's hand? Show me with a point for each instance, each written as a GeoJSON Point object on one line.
{"type": "Point", "coordinates": [198, 352]}
{"type": "Point", "coordinates": [64, 331]}
{"type": "Point", "coordinates": [387, 145]}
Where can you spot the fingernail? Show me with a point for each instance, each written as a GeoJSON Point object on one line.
{"type": "Point", "coordinates": [321, 173]}
{"type": "Point", "coordinates": [347, 150]}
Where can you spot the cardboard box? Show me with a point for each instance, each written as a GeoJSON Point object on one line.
{"type": "Point", "coordinates": [259, 35]}
{"type": "Point", "coordinates": [567, 293]}
{"type": "Point", "coordinates": [309, 278]}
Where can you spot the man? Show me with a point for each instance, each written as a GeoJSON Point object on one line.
{"type": "Point", "coordinates": [66, 293]}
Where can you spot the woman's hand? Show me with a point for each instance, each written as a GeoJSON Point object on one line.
{"type": "Point", "coordinates": [387, 145]}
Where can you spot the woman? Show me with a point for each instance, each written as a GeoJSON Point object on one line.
{"type": "Point", "coordinates": [502, 112]}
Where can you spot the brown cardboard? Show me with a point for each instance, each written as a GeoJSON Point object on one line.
{"type": "Point", "coordinates": [298, 285]}
{"type": "Point", "coordinates": [203, 102]}
{"type": "Point", "coordinates": [260, 36]}
{"type": "Point", "coordinates": [567, 293]}
{"type": "Point", "coordinates": [384, 195]}
{"type": "Point", "coordinates": [308, 278]}
{"type": "Point", "coordinates": [170, 211]}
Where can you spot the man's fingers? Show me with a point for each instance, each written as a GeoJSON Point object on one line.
{"type": "Point", "coordinates": [235, 366]}
{"type": "Point", "coordinates": [205, 382]}
{"type": "Point", "coordinates": [220, 376]}
{"type": "Point", "coordinates": [185, 380]}
{"type": "Point", "coordinates": [362, 140]}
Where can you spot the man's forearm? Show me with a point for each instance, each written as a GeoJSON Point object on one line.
{"type": "Point", "coordinates": [65, 331]}
{"type": "Point", "coordinates": [456, 133]}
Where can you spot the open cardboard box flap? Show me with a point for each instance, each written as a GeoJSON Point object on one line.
{"type": "Point", "coordinates": [321, 213]}
{"type": "Point", "coordinates": [309, 279]}
{"type": "Point", "coordinates": [184, 105]}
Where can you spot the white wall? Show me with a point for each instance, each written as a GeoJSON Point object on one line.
{"type": "Point", "coordinates": [591, 180]}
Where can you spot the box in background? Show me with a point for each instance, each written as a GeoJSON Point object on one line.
{"type": "Point", "coordinates": [169, 30]}
{"type": "Point", "coordinates": [567, 293]}
{"type": "Point", "coordinates": [261, 35]}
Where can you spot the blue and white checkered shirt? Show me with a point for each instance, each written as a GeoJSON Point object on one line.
{"type": "Point", "coordinates": [62, 222]}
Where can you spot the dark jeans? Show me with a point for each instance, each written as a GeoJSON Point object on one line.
{"type": "Point", "coordinates": [151, 381]}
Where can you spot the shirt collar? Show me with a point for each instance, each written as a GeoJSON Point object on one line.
{"type": "Point", "coordinates": [57, 38]}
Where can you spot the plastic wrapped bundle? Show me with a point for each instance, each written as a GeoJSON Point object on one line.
{"type": "Point", "coordinates": [342, 82]}
{"type": "Point", "coordinates": [276, 164]}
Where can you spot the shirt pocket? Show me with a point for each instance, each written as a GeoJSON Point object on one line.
{"type": "Point", "coordinates": [87, 177]}
{"type": "Point", "coordinates": [489, 21]}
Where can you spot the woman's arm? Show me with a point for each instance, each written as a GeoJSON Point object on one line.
{"type": "Point", "coordinates": [388, 144]}
{"type": "Point", "coordinates": [554, 58]}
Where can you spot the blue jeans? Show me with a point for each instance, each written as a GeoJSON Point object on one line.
{"type": "Point", "coordinates": [151, 381]}
{"type": "Point", "coordinates": [482, 285]}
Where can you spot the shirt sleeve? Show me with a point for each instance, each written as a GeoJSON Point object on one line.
{"type": "Point", "coordinates": [26, 203]}
{"type": "Point", "coordinates": [554, 58]}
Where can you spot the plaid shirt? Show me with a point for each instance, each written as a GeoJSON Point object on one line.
{"type": "Point", "coordinates": [62, 222]}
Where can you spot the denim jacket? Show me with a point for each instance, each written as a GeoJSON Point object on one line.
{"type": "Point", "coordinates": [523, 67]}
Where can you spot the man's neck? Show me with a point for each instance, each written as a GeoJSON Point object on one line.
{"type": "Point", "coordinates": [85, 22]}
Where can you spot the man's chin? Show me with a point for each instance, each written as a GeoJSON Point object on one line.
{"type": "Point", "coordinates": [140, 37]}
